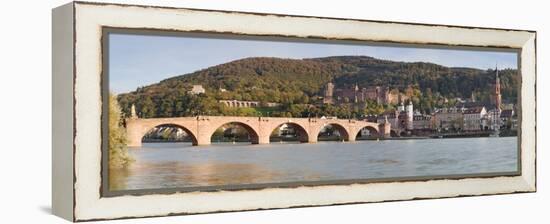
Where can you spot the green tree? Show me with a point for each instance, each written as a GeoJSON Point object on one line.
{"type": "Point", "coordinates": [118, 152]}
{"type": "Point", "coordinates": [147, 108]}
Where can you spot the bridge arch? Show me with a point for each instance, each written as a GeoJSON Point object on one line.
{"type": "Point", "coordinates": [344, 133]}
{"type": "Point", "coordinates": [252, 133]}
{"type": "Point", "coordinates": [373, 131]}
{"type": "Point", "coordinates": [302, 134]}
{"type": "Point", "coordinates": [170, 125]}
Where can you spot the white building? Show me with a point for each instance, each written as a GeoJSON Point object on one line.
{"type": "Point", "coordinates": [422, 122]}
{"type": "Point", "coordinates": [197, 89]}
{"type": "Point", "coordinates": [449, 118]}
{"type": "Point", "coordinates": [507, 120]}
{"type": "Point", "coordinates": [403, 117]}
{"type": "Point", "coordinates": [286, 130]}
{"type": "Point", "coordinates": [400, 108]}
{"type": "Point", "coordinates": [475, 119]}
{"type": "Point", "coordinates": [240, 103]}
{"type": "Point", "coordinates": [410, 115]}
{"type": "Point", "coordinates": [365, 132]}
{"type": "Point", "coordinates": [493, 117]}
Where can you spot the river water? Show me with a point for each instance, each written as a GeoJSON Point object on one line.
{"type": "Point", "coordinates": [175, 165]}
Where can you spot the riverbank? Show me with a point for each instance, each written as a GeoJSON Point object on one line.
{"type": "Point", "coordinates": [339, 139]}
{"type": "Point", "coordinates": [483, 134]}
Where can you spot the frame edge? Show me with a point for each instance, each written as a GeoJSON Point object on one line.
{"type": "Point", "coordinates": [62, 111]}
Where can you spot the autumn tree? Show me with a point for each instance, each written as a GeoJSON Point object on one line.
{"type": "Point", "coordinates": [118, 151]}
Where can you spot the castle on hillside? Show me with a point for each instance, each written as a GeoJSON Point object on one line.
{"type": "Point", "coordinates": [381, 95]}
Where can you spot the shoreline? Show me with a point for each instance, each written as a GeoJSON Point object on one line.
{"type": "Point", "coordinates": [466, 136]}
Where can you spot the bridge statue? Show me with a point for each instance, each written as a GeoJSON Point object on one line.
{"type": "Point", "coordinates": [201, 128]}
{"type": "Point", "coordinates": [133, 112]}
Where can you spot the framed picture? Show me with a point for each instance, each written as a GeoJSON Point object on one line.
{"type": "Point", "coordinates": [168, 111]}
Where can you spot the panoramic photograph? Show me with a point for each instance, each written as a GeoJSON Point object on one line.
{"type": "Point", "coordinates": [215, 111]}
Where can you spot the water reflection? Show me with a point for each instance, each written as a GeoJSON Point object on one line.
{"type": "Point", "coordinates": [118, 178]}
{"type": "Point", "coordinates": [169, 174]}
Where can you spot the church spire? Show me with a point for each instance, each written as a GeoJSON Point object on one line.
{"type": "Point", "coordinates": [496, 93]}
{"type": "Point", "coordinates": [496, 73]}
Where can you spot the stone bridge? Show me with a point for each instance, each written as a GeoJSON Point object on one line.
{"type": "Point", "coordinates": [201, 128]}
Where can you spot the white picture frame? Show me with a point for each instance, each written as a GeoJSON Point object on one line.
{"type": "Point", "coordinates": [77, 110]}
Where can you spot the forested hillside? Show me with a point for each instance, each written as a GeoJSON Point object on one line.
{"type": "Point", "coordinates": [298, 84]}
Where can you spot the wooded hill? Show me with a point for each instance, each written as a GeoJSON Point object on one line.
{"type": "Point", "coordinates": [298, 85]}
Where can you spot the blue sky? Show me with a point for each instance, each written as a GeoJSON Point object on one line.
{"type": "Point", "coordinates": [139, 60]}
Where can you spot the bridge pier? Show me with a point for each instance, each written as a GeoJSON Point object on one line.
{"type": "Point", "coordinates": [264, 139]}
{"type": "Point", "coordinates": [203, 140]}
{"type": "Point", "coordinates": [202, 143]}
{"type": "Point", "coordinates": [133, 133]}
{"type": "Point", "coordinates": [134, 142]}
{"type": "Point", "coordinates": [351, 138]}
{"type": "Point", "coordinates": [312, 138]}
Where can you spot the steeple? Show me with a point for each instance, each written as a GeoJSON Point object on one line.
{"type": "Point", "coordinates": [496, 75]}
{"type": "Point", "coordinates": [496, 93]}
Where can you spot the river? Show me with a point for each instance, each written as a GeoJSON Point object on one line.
{"type": "Point", "coordinates": [176, 165]}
